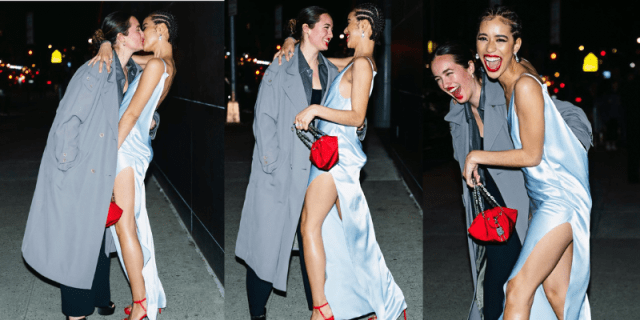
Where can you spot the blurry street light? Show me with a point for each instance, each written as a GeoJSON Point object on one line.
{"type": "Point", "coordinates": [553, 56]}
{"type": "Point", "coordinates": [614, 50]}
{"type": "Point", "coordinates": [90, 41]}
{"type": "Point", "coordinates": [638, 40]}
{"type": "Point", "coordinates": [50, 46]}
{"type": "Point", "coordinates": [632, 65]}
{"type": "Point", "coordinates": [603, 53]}
{"type": "Point", "coordinates": [581, 48]}
{"type": "Point", "coordinates": [30, 52]}
{"type": "Point", "coordinates": [278, 47]}
{"type": "Point", "coordinates": [342, 36]}
{"type": "Point", "coordinates": [561, 85]}
{"type": "Point", "coordinates": [578, 99]}
{"type": "Point", "coordinates": [557, 74]}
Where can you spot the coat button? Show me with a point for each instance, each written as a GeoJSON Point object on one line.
{"type": "Point", "coordinates": [64, 154]}
{"type": "Point", "coordinates": [93, 171]}
{"type": "Point", "coordinates": [87, 78]}
{"type": "Point", "coordinates": [64, 160]}
{"type": "Point", "coordinates": [101, 135]}
{"type": "Point", "coordinates": [265, 162]}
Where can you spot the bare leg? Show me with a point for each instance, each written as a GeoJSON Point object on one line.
{"type": "Point", "coordinates": [549, 264]}
{"type": "Point", "coordinates": [320, 197]}
{"type": "Point", "coordinates": [124, 190]}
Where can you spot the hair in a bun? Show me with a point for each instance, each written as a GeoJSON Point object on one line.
{"type": "Point", "coordinates": [114, 23]}
{"type": "Point", "coordinates": [309, 16]}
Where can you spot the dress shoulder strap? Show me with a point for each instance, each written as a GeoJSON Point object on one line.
{"type": "Point", "coordinates": [165, 65]}
{"type": "Point", "coordinates": [532, 76]}
{"type": "Point", "coordinates": [371, 63]}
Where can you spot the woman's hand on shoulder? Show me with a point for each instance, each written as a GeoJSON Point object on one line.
{"type": "Point", "coordinates": [288, 49]}
{"type": "Point", "coordinates": [105, 54]}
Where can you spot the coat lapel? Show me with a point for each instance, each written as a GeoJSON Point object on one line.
{"type": "Point", "coordinates": [110, 100]}
{"type": "Point", "coordinates": [495, 118]}
{"type": "Point", "coordinates": [459, 131]}
{"type": "Point", "coordinates": [331, 75]}
{"type": "Point", "coordinates": [293, 87]}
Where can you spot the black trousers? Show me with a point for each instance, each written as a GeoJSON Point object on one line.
{"type": "Point", "coordinates": [258, 290]}
{"type": "Point", "coordinates": [501, 257]}
{"type": "Point", "coordinates": [81, 302]}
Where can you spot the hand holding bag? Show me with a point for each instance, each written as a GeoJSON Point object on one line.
{"type": "Point", "coordinates": [115, 212]}
{"type": "Point", "coordinates": [492, 225]}
{"type": "Point", "coordinates": [324, 151]}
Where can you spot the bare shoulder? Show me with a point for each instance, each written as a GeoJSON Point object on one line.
{"type": "Point", "coordinates": [528, 91]}
{"type": "Point", "coordinates": [361, 65]}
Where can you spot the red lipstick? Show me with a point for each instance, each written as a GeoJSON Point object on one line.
{"type": "Point", "coordinates": [496, 63]}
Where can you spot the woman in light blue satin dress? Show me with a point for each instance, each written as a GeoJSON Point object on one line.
{"type": "Point", "coordinates": [551, 275]}
{"type": "Point", "coordinates": [337, 231]}
{"type": "Point", "coordinates": [132, 233]}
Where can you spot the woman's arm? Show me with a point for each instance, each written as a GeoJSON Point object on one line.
{"type": "Point", "coordinates": [340, 63]}
{"type": "Point", "coordinates": [142, 60]}
{"type": "Point", "coordinates": [529, 104]}
{"type": "Point", "coordinates": [148, 82]}
{"type": "Point", "coordinates": [362, 75]}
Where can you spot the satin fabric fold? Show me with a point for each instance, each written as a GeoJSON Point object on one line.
{"type": "Point", "coordinates": [358, 281]}
{"type": "Point", "coordinates": [136, 152]}
{"type": "Point", "coordinates": [558, 189]}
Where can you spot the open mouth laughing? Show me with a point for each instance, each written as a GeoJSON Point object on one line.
{"type": "Point", "coordinates": [456, 92]}
{"type": "Point", "coordinates": [492, 62]}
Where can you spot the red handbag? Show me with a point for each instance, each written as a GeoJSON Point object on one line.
{"type": "Point", "coordinates": [115, 212]}
{"type": "Point", "coordinates": [324, 151]}
{"type": "Point", "coordinates": [492, 225]}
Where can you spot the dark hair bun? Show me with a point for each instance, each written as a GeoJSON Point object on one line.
{"type": "Point", "coordinates": [97, 38]}
{"type": "Point", "coordinates": [309, 16]}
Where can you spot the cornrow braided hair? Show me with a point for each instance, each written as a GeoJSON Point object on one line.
{"type": "Point", "coordinates": [507, 16]}
{"type": "Point", "coordinates": [373, 14]}
{"type": "Point", "coordinates": [170, 21]}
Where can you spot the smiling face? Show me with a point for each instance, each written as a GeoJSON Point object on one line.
{"type": "Point", "coordinates": [454, 79]}
{"type": "Point", "coordinates": [135, 39]}
{"type": "Point", "coordinates": [352, 29]}
{"type": "Point", "coordinates": [321, 34]}
{"type": "Point", "coordinates": [496, 45]}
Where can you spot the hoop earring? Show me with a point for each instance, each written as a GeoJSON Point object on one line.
{"type": "Point", "coordinates": [477, 56]}
{"type": "Point", "coordinates": [516, 55]}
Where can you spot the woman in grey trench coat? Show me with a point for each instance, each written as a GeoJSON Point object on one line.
{"type": "Point", "coordinates": [280, 166]}
{"type": "Point", "coordinates": [480, 106]}
{"type": "Point", "coordinates": [66, 223]}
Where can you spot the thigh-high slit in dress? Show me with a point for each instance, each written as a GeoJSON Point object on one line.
{"type": "Point", "coordinates": [136, 152]}
{"type": "Point", "coordinates": [558, 190]}
{"type": "Point", "coordinates": [358, 281]}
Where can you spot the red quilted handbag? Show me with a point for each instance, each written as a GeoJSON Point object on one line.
{"type": "Point", "coordinates": [324, 151]}
{"type": "Point", "coordinates": [115, 212]}
{"type": "Point", "coordinates": [492, 225]}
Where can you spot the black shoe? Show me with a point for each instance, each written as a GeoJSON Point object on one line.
{"type": "Point", "coordinates": [262, 317]}
{"type": "Point", "coordinates": [107, 311]}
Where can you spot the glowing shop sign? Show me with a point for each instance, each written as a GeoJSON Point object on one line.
{"type": "Point", "coordinates": [56, 57]}
{"type": "Point", "coordinates": [590, 63]}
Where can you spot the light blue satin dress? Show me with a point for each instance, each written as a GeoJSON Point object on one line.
{"type": "Point", "coordinates": [358, 281]}
{"type": "Point", "coordinates": [558, 190]}
{"type": "Point", "coordinates": [136, 152]}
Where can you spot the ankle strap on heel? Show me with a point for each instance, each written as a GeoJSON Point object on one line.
{"type": "Point", "coordinates": [322, 314]}
{"type": "Point", "coordinates": [140, 303]}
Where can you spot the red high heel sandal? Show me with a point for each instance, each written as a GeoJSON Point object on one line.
{"type": "Point", "coordinates": [322, 314]}
{"type": "Point", "coordinates": [127, 310]}
{"type": "Point", "coordinates": [140, 303]}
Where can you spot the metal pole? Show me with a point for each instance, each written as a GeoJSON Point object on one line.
{"type": "Point", "coordinates": [233, 108]}
{"type": "Point", "coordinates": [382, 117]}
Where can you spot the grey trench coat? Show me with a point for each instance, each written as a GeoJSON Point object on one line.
{"type": "Point", "coordinates": [279, 173]}
{"type": "Point", "coordinates": [69, 209]}
{"type": "Point", "coordinates": [510, 181]}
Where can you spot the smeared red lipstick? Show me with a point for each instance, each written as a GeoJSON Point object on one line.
{"type": "Point", "coordinates": [457, 93]}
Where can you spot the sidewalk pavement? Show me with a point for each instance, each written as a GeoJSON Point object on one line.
{"type": "Point", "coordinates": [615, 242]}
{"type": "Point", "coordinates": [191, 290]}
{"type": "Point", "coordinates": [396, 217]}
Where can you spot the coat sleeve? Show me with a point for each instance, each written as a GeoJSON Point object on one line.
{"type": "Point", "coordinates": [577, 121]}
{"type": "Point", "coordinates": [265, 125]}
{"type": "Point", "coordinates": [74, 108]}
